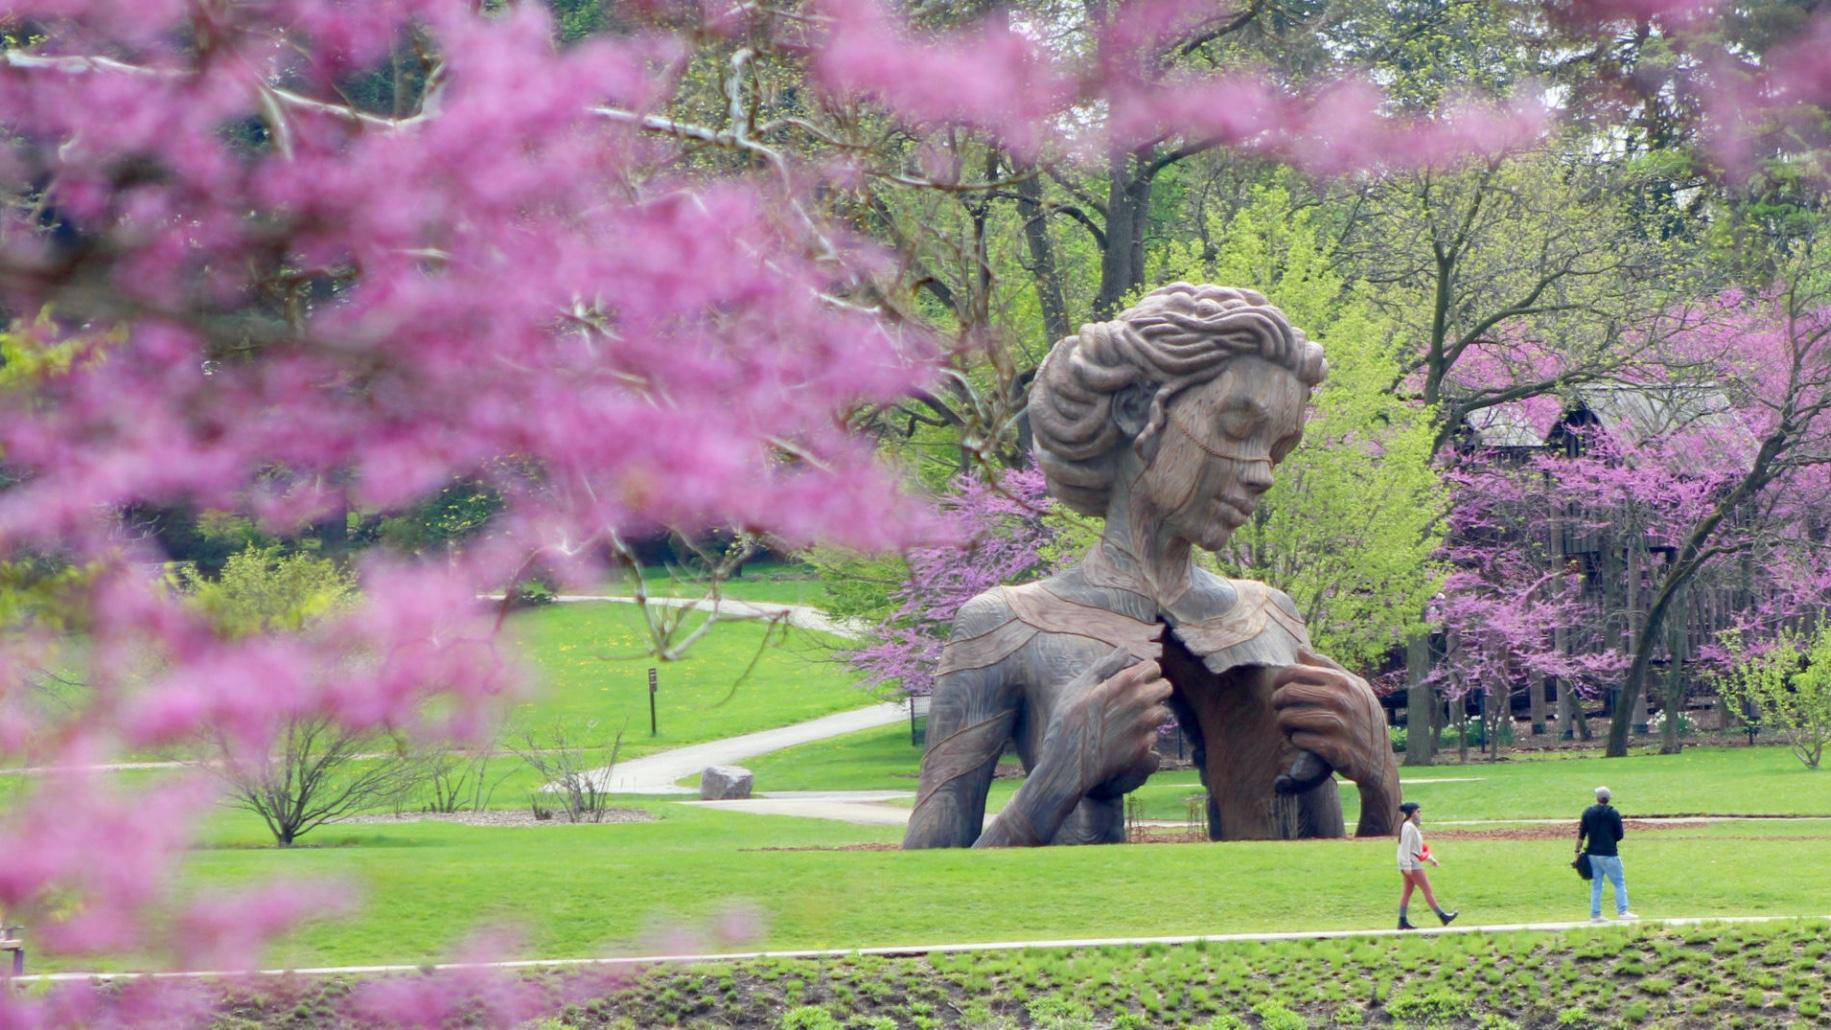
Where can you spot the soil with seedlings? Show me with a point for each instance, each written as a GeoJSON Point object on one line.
{"type": "Point", "coordinates": [1737, 976]}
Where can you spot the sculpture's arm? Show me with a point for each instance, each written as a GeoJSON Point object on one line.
{"type": "Point", "coordinates": [1103, 732]}
{"type": "Point", "coordinates": [970, 718]}
{"type": "Point", "coordinates": [1333, 714]}
{"type": "Point", "coordinates": [1104, 728]}
{"type": "Point", "coordinates": [969, 721]}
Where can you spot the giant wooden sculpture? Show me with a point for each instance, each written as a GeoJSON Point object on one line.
{"type": "Point", "coordinates": [1168, 422]}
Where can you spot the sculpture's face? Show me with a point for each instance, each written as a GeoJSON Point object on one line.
{"type": "Point", "coordinates": [1215, 455]}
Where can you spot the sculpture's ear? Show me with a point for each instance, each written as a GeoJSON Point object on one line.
{"type": "Point", "coordinates": [1132, 413]}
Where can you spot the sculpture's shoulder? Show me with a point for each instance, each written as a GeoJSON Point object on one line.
{"type": "Point", "coordinates": [1230, 622]}
{"type": "Point", "coordinates": [1275, 602]}
{"type": "Point", "coordinates": [1066, 605]}
{"type": "Point", "coordinates": [986, 632]}
{"type": "Point", "coordinates": [986, 611]}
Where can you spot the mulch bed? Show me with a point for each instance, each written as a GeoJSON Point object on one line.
{"type": "Point", "coordinates": [1548, 832]}
{"type": "Point", "coordinates": [835, 847]}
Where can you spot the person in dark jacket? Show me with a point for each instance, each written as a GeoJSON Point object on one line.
{"type": "Point", "coordinates": [1601, 828]}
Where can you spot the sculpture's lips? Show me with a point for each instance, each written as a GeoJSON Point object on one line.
{"type": "Point", "coordinates": [1233, 512]}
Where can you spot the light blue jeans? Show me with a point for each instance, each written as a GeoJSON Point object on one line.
{"type": "Point", "coordinates": [1606, 866]}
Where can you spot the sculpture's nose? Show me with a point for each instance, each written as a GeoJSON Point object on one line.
{"type": "Point", "coordinates": [1256, 476]}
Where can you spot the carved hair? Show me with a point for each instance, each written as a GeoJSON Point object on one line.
{"type": "Point", "coordinates": [1176, 337]}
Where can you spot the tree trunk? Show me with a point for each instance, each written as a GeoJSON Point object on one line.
{"type": "Point", "coordinates": [1536, 696]}
{"type": "Point", "coordinates": [1043, 269]}
{"type": "Point", "coordinates": [1128, 204]}
{"type": "Point", "coordinates": [1568, 712]}
{"type": "Point", "coordinates": [1671, 743]}
{"type": "Point", "coordinates": [1420, 702]}
{"type": "Point", "coordinates": [1500, 713]}
{"type": "Point", "coordinates": [1636, 562]}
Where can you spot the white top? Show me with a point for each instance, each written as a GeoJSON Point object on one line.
{"type": "Point", "coordinates": [1411, 846]}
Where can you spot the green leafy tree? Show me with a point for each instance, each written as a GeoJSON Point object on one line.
{"type": "Point", "coordinates": [1352, 524]}
{"type": "Point", "coordinates": [1788, 688]}
{"type": "Point", "coordinates": [318, 769]}
{"type": "Point", "coordinates": [263, 590]}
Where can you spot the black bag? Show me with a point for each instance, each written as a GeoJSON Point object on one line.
{"type": "Point", "coordinates": [1582, 865]}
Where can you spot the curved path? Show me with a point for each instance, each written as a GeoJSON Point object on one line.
{"type": "Point", "coordinates": [800, 616]}
{"type": "Point", "coordinates": [660, 773]}
{"type": "Point", "coordinates": [657, 773]}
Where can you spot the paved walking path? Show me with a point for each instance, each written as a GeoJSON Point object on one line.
{"type": "Point", "coordinates": [657, 773]}
{"type": "Point", "coordinates": [914, 950]}
{"type": "Point", "coordinates": [800, 616]}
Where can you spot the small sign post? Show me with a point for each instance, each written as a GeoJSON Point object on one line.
{"type": "Point", "coordinates": [651, 701]}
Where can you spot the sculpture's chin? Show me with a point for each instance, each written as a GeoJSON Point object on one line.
{"type": "Point", "coordinates": [1216, 536]}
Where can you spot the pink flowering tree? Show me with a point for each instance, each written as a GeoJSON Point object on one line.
{"type": "Point", "coordinates": [993, 533]}
{"type": "Point", "coordinates": [238, 290]}
{"type": "Point", "coordinates": [1691, 507]}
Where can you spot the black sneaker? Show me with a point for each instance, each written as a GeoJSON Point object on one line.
{"type": "Point", "coordinates": [1448, 917]}
{"type": "Point", "coordinates": [1405, 924]}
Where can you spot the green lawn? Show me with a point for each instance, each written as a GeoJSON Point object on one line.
{"type": "Point", "coordinates": [590, 665]}
{"type": "Point", "coordinates": [583, 890]}
{"type": "Point", "coordinates": [588, 889]}
{"type": "Point", "coordinates": [1699, 780]}
{"type": "Point", "coordinates": [875, 759]}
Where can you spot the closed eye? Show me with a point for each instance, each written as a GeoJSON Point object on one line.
{"type": "Point", "coordinates": [1284, 447]}
{"type": "Point", "coordinates": [1240, 423]}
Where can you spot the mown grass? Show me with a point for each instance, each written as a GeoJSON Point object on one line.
{"type": "Point", "coordinates": [582, 890]}
{"type": "Point", "coordinates": [1699, 780]}
{"type": "Point", "coordinates": [590, 666]}
{"type": "Point", "coordinates": [588, 670]}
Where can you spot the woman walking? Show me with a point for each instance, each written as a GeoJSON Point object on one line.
{"type": "Point", "coordinates": [1412, 856]}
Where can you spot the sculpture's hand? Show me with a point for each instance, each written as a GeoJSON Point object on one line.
{"type": "Point", "coordinates": [1335, 717]}
{"type": "Point", "coordinates": [1098, 742]}
{"type": "Point", "coordinates": [1107, 730]}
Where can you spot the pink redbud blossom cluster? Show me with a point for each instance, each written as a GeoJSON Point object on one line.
{"type": "Point", "coordinates": [993, 534]}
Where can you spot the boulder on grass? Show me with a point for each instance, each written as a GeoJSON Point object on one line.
{"type": "Point", "coordinates": [724, 783]}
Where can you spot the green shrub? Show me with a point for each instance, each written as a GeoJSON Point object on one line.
{"type": "Point", "coordinates": [1656, 985]}
{"type": "Point", "coordinates": [532, 593]}
{"type": "Point", "coordinates": [1227, 1023]}
{"type": "Point", "coordinates": [1754, 997]}
{"type": "Point", "coordinates": [1439, 1005]}
{"type": "Point", "coordinates": [1636, 1012]}
{"type": "Point", "coordinates": [1348, 1015]}
{"type": "Point", "coordinates": [809, 1017]}
{"type": "Point", "coordinates": [1575, 1016]}
{"type": "Point", "coordinates": [977, 1013]}
{"type": "Point", "coordinates": [1055, 1012]}
{"type": "Point", "coordinates": [1275, 1016]}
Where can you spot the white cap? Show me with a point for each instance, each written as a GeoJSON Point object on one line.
{"type": "Point", "coordinates": [1602, 794]}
